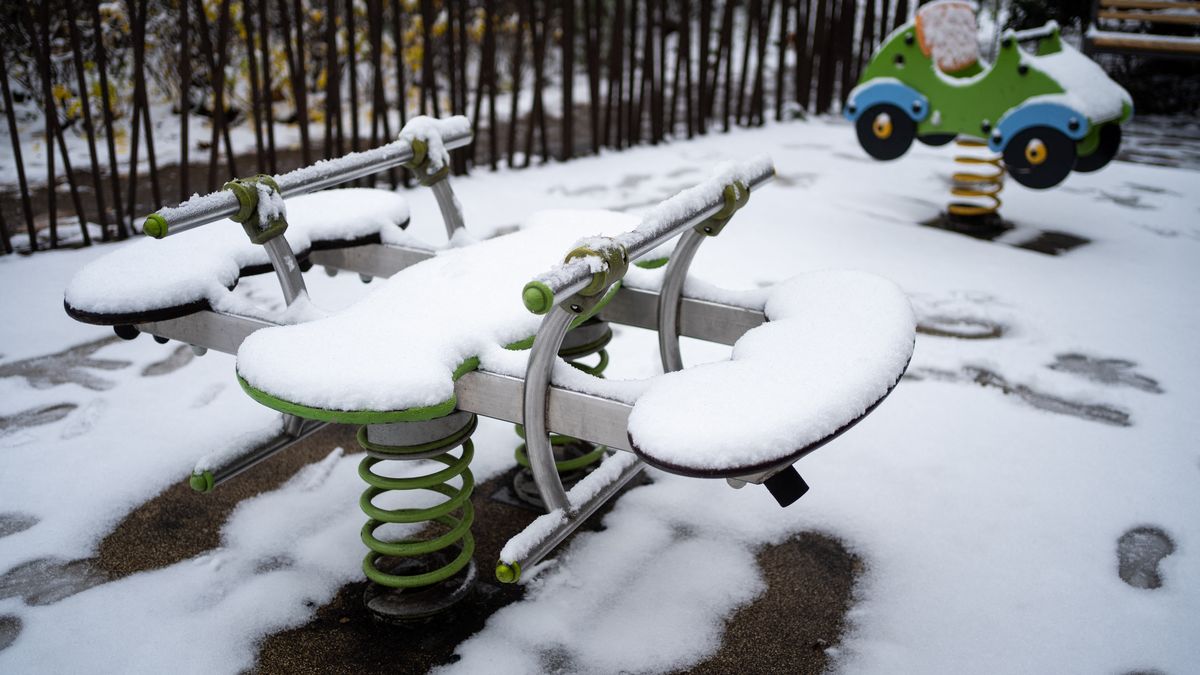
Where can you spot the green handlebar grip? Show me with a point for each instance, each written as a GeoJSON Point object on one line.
{"type": "Point", "coordinates": [538, 297]}
{"type": "Point", "coordinates": [155, 226]}
{"type": "Point", "coordinates": [202, 482]}
{"type": "Point", "coordinates": [508, 573]}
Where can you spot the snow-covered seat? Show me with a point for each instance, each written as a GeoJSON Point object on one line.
{"type": "Point", "coordinates": [946, 32]}
{"type": "Point", "coordinates": [150, 280]}
{"type": "Point", "coordinates": [834, 345]}
{"type": "Point", "coordinates": [395, 355]}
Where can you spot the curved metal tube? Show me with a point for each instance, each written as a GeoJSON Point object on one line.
{"type": "Point", "coordinates": [669, 296]}
{"type": "Point", "coordinates": [573, 276]}
{"type": "Point", "coordinates": [449, 206]}
{"type": "Point", "coordinates": [287, 268]}
{"type": "Point", "coordinates": [537, 387]}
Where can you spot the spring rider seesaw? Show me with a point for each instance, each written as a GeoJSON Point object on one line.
{"type": "Point", "coordinates": [465, 330]}
{"type": "Point", "coordinates": [1033, 115]}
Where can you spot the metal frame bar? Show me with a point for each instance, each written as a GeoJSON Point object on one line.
{"type": "Point", "coordinates": [669, 296]}
{"type": "Point", "coordinates": [223, 204]}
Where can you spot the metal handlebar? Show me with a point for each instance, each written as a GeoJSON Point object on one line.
{"type": "Point", "coordinates": [202, 210]}
{"type": "Point", "coordinates": [664, 222]}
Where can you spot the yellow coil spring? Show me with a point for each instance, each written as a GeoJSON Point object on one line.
{"type": "Point", "coordinates": [458, 528]}
{"type": "Point", "coordinates": [982, 188]}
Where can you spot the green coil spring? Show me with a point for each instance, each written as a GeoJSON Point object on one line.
{"type": "Point", "coordinates": [572, 354]}
{"type": "Point", "coordinates": [458, 528]}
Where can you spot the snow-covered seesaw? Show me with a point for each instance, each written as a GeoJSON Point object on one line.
{"type": "Point", "coordinates": [493, 328]}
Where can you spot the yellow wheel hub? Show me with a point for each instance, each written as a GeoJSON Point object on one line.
{"type": "Point", "coordinates": [1036, 152]}
{"type": "Point", "coordinates": [882, 126]}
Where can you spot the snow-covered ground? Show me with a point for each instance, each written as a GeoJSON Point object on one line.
{"type": "Point", "coordinates": [988, 517]}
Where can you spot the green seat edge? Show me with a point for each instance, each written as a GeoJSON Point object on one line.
{"type": "Point", "coordinates": [409, 414]}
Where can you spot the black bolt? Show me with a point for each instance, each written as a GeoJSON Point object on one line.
{"type": "Point", "coordinates": [125, 331]}
{"type": "Point", "coordinates": [986, 126]}
{"type": "Point", "coordinates": [1073, 124]}
{"type": "Point", "coordinates": [1022, 69]}
{"type": "Point", "coordinates": [916, 106]}
{"type": "Point", "coordinates": [908, 39]}
{"type": "Point", "coordinates": [852, 108]}
{"type": "Point", "coordinates": [899, 60]}
{"type": "Point", "coordinates": [1006, 43]}
{"type": "Point", "coordinates": [161, 340]}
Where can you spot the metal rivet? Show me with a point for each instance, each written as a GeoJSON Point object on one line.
{"type": "Point", "coordinates": [576, 308]}
{"type": "Point", "coordinates": [916, 106]}
{"type": "Point", "coordinates": [986, 126]}
{"type": "Point", "coordinates": [1073, 124]}
{"type": "Point", "coordinates": [1022, 69]}
{"type": "Point", "coordinates": [899, 60]}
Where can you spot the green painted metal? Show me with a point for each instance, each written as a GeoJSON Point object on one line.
{"type": "Point", "coordinates": [508, 573]}
{"type": "Point", "coordinates": [202, 482]}
{"type": "Point", "coordinates": [616, 264]}
{"type": "Point", "coordinates": [419, 164]}
{"type": "Point", "coordinates": [361, 416]}
{"type": "Point", "coordinates": [458, 528]}
{"type": "Point", "coordinates": [246, 191]}
{"type": "Point", "coordinates": [652, 263]}
{"type": "Point", "coordinates": [155, 226]}
{"type": "Point", "coordinates": [960, 105]}
{"type": "Point", "coordinates": [736, 195]}
{"type": "Point", "coordinates": [537, 297]}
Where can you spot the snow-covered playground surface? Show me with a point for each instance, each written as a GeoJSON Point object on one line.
{"type": "Point", "coordinates": [988, 517]}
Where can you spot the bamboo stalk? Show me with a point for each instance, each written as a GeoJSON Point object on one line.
{"type": "Point", "coordinates": [568, 79]}
{"type": "Point", "coordinates": [255, 110]}
{"type": "Point", "coordinates": [264, 46]}
{"type": "Point", "coordinates": [106, 108]}
{"type": "Point", "coordinates": [185, 103]}
{"type": "Point", "coordinates": [89, 127]}
{"type": "Point", "coordinates": [15, 138]}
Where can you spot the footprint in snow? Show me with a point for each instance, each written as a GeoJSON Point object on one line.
{"type": "Point", "coordinates": [12, 522]}
{"type": "Point", "coordinates": [34, 417]}
{"type": "Point", "coordinates": [180, 357]}
{"type": "Point", "coordinates": [10, 628]}
{"type": "Point", "coordinates": [208, 395]}
{"type": "Point", "coordinates": [70, 366]}
{"type": "Point", "coordinates": [960, 327]}
{"type": "Point", "coordinates": [47, 580]}
{"type": "Point", "coordinates": [1093, 412]}
{"type": "Point", "coordinates": [1139, 552]}
{"type": "Point", "coordinates": [86, 420]}
{"type": "Point", "coordinates": [1105, 371]}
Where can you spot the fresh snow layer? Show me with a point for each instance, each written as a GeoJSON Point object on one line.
{"type": "Point", "coordinates": [648, 240]}
{"type": "Point", "coordinates": [986, 526]}
{"type": "Point", "coordinates": [398, 349]}
{"type": "Point", "coordinates": [834, 344]}
{"type": "Point", "coordinates": [432, 130]}
{"type": "Point", "coordinates": [204, 263]}
{"type": "Point", "coordinates": [946, 30]}
{"type": "Point", "coordinates": [1087, 87]}
{"type": "Point", "coordinates": [544, 525]}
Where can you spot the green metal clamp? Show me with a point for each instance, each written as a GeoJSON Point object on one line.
{"type": "Point", "coordinates": [616, 264]}
{"type": "Point", "coordinates": [247, 193]}
{"type": "Point", "coordinates": [736, 195]}
{"type": "Point", "coordinates": [419, 165]}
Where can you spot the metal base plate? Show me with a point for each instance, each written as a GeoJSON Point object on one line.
{"type": "Point", "coordinates": [405, 605]}
{"type": "Point", "coordinates": [525, 489]}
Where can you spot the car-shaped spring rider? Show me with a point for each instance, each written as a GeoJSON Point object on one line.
{"type": "Point", "coordinates": [1047, 112]}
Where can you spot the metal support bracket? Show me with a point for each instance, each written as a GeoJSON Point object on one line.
{"type": "Point", "coordinates": [546, 345]}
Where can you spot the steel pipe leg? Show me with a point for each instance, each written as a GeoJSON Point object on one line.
{"type": "Point", "coordinates": [542, 357]}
